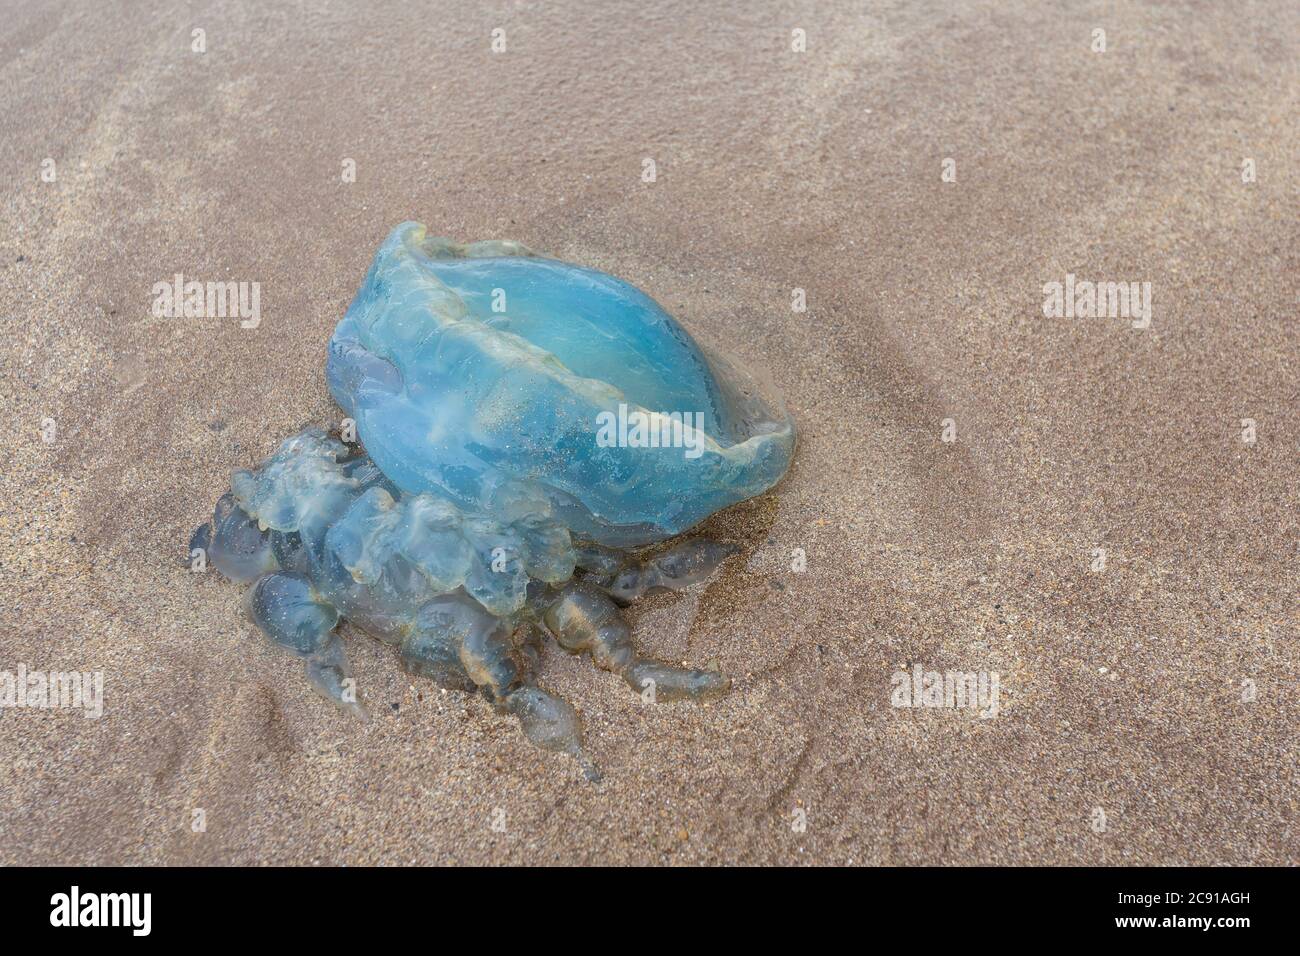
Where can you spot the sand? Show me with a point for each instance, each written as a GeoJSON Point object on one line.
{"type": "Point", "coordinates": [1148, 696]}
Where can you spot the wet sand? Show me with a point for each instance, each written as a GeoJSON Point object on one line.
{"type": "Point", "coordinates": [1148, 708]}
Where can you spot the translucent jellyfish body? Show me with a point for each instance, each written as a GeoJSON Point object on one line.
{"type": "Point", "coordinates": [524, 425]}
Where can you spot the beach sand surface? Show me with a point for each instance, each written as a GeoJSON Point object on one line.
{"type": "Point", "coordinates": [1100, 534]}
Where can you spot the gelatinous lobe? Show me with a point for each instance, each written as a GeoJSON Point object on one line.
{"type": "Point", "coordinates": [484, 510]}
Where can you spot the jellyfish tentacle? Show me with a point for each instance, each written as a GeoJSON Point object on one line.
{"type": "Point", "coordinates": [331, 675]}
{"type": "Point", "coordinates": [292, 613]}
{"type": "Point", "coordinates": [681, 566]}
{"type": "Point", "coordinates": [458, 643]}
{"type": "Point", "coordinates": [435, 653]}
{"type": "Point", "coordinates": [584, 619]}
{"type": "Point", "coordinates": [234, 543]}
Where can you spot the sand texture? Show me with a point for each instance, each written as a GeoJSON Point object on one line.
{"type": "Point", "coordinates": [1100, 533]}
